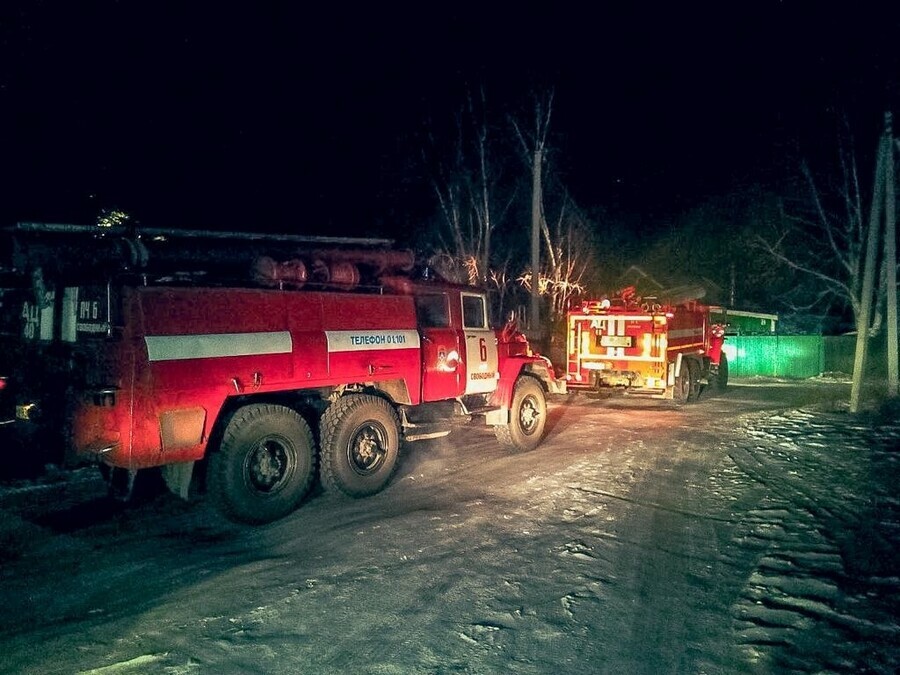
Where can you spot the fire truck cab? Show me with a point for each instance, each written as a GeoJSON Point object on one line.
{"type": "Point", "coordinates": [265, 361]}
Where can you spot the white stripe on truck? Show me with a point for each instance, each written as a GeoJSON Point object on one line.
{"type": "Point", "coordinates": [216, 345]}
{"type": "Point", "coordinates": [363, 340]}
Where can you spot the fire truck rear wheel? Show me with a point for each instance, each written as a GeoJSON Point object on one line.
{"type": "Point", "coordinates": [264, 466]}
{"type": "Point", "coordinates": [684, 384]}
{"type": "Point", "coordinates": [694, 390]}
{"type": "Point", "coordinates": [360, 445]}
{"type": "Point", "coordinates": [527, 417]}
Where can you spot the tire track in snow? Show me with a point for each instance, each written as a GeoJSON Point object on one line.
{"type": "Point", "coordinates": [825, 576]}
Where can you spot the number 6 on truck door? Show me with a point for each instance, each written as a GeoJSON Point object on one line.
{"type": "Point", "coordinates": [481, 346]}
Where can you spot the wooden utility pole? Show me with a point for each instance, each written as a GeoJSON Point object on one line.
{"type": "Point", "coordinates": [533, 151]}
{"type": "Point", "coordinates": [890, 257]}
{"type": "Point", "coordinates": [863, 319]}
{"type": "Point", "coordinates": [534, 317]}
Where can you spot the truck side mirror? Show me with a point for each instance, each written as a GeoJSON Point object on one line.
{"type": "Point", "coordinates": [511, 327]}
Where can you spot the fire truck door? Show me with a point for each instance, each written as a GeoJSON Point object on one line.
{"type": "Point", "coordinates": [481, 346]}
{"type": "Point", "coordinates": [441, 367]}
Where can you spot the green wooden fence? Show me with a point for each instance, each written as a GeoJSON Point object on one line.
{"type": "Point", "coordinates": [799, 356]}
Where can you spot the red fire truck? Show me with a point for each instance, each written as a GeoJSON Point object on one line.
{"type": "Point", "coordinates": [261, 360]}
{"type": "Point", "coordinates": [647, 347]}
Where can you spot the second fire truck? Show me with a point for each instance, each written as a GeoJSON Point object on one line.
{"type": "Point", "coordinates": [645, 346]}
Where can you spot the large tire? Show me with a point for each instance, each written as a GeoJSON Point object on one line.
{"type": "Point", "coordinates": [527, 417]}
{"type": "Point", "coordinates": [360, 445]}
{"type": "Point", "coordinates": [683, 384]}
{"type": "Point", "coordinates": [264, 466]}
{"type": "Point", "coordinates": [719, 381]}
{"type": "Point", "coordinates": [694, 371]}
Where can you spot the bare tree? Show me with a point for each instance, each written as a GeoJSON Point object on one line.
{"type": "Point", "coordinates": [474, 197]}
{"type": "Point", "coordinates": [823, 237]}
{"type": "Point", "coordinates": [567, 250]}
{"type": "Point", "coordinates": [568, 258]}
{"type": "Point", "coordinates": [467, 188]}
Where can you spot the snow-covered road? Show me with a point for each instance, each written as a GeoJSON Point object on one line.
{"type": "Point", "coordinates": [753, 532]}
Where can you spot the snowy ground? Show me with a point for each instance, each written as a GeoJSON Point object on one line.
{"type": "Point", "coordinates": [753, 532]}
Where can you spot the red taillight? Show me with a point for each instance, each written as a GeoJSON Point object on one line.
{"type": "Point", "coordinates": [2, 383]}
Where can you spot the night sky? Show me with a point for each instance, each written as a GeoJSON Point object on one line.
{"type": "Point", "coordinates": [249, 116]}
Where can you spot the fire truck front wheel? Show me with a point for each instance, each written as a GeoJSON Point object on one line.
{"type": "Point", "coordinates": [719, 381]}
{"type": "Point", "coordinates": [264, 466]}
{"type": "Point", "coordinates": [360, 445]}
{"type": "Point", "coordinates": [527, 417]}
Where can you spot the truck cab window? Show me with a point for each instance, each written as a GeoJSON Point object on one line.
{"type": "Point", "coordinates": [432, 311]}
{"type": "Point", "coordinates": [473, 312]}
